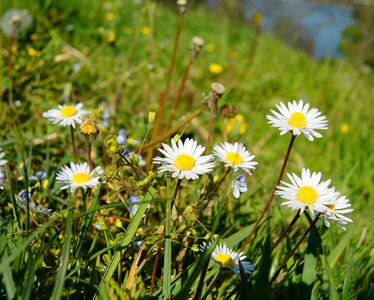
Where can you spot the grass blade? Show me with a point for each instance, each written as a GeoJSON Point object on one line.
{"type": "Point", "coordinates": [135, 222]}
{"type": "Point", "coordinates": [60, 279]}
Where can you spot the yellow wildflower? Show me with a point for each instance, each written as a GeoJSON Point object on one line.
{"type": "Point", "coordinates": [32, 52]}
{"type": "Point", "coordinates": [145, 30]}
{"type": "Point", "coordinates": [215, 69]}
{"type": "Point", "coordinates": [111, 37]}
{"type": "Point", "coordinates": [210, 47]}
{"type": "Point", "coordinates": [344, 128]}
{"type": "Point", "coordinates": [109, 16]}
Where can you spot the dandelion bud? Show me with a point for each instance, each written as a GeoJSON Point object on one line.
{"type": "Point", "coordinates": [89, 129]}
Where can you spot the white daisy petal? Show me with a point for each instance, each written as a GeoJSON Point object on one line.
{"type": "Point", "coordinates": [309, 192]}
{"type": "Point", "coordinates": [228, 258]}
{"type": "Point", "coordinates": [235, 156]}
{"type": "Point", "coordinates": [184, 159]}
{"type": "Point", "coordinates": [78, 176]}
{"type": "Point", "coordinates": [298, 119]}
{"type": "Point", "coordinates": [66, 115]}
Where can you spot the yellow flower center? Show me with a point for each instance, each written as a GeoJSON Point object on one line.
{"type": "Point", "coordinates": [331, 206]}
{"type": "Point", "coordinates": [234, 158]}
{"type": "Point", "coordinates": [68, 111]}
{"type": "Point", "coordinates": [184, 162]}
{"type": "Point", "coordinates": [226, 260]}
{"type": "Point", "coordinates": [307, 195]}
{"type": "Point", "coordinates": [81, 177]}
{"type": "Point", "coordinates": [297, 120]}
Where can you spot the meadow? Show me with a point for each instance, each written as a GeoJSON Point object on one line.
{"type": "Point", "coordinates": [149, 76]}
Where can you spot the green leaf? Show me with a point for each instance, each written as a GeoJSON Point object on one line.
{"type": "Point", "coordinates": [237, 237]}
{"type": "Point", "coordinates": [60, 279]}
{"type": "Point", "coordinates": [310, 260]}
{"type": "Point", "coordinates": [262, 288]}
{"type": "Point", "coordinates": [166, 285]}
{"type": "Point", "coordinates": [348, 276]}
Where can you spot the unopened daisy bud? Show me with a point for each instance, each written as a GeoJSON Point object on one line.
{"type": "Point", "coordinates": [218, 88]}
{"type": "Point", "coordinates": [151, 117]}
{"type": "Point", "coordinates": [89, 129]}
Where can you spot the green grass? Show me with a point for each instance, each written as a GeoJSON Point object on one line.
{"type": "Point", "coordinates": [65, 255]}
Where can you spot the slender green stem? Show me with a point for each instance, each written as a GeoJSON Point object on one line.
{"type": "Point", "coordinates": [286, 230]}
{"type": "Point", "coordinates": [73, 143]}
{"type": "Point", "coordinates": [267, 206]}
{"type": "Point", "coordinates": [284, 263]}
{"type": "Point", "coordinates": [166, 285]}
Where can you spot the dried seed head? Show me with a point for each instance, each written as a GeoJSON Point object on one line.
{"type": "Point", "coordinates": [89, 129]}
{"type": "Point", "coordinates": [197, 41]}
{"type": "Point", "coordinates": [15, 22]}
{"type": "Point", "coordinates": [218, 88]}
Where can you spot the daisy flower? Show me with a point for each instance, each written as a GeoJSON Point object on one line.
{"type": "Point", "coordinates": [239, 186]}
{"type": "Point", "coordinates": [336, 211]}
{"type": "Point", "coordinates": [228, 258]}
{"type": "Point", "coordinates": [298, 119]}
{"type": "Point", "coordinates": [235, 156]}
{"type": "Point", "coordinates": [184, 160]}
{"type": "Point", "coordinates": [2, 160]}
{"type": "Point", "coordinates": [307, 192]}
{"type": "Point", "coordinates": [79, 176]}
{"type": "Point", "coordinates": [66, 115]}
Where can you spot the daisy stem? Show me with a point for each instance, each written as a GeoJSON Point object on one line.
{"type": "Point", "coordinates": [287, 229]}
{"type": "Point", "coordinates": [73, 143]}
{"type": "Point", "coordinates": [284, 263]}
{"type": "Point", "coordinates": [211, 113]}
{"type": "Point", "coordinates": [89, 159]}
{"type": "Point", "coordinates": [267, 206]}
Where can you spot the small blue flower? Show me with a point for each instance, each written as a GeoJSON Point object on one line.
{"type": "Point", "coordinates": [122, 137]}
{"type": "Point", "coordinates": [134, 205]}
{"type": "Point", "coordinates": [239, 186]}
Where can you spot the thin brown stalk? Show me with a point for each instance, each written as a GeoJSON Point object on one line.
{"type": "Point", "coordinates": [211, 116]}
{"type": "Point", "coordinates": [89, 158]}
{"type": "Point", "coordinates": [284, 263]}
{"type": "Point", "coordinates": [286, 230]}
{"type": "Point", "coordinates": [154, 270]}
{"type": "Point", "coordinates": [170, 132]}
{"type": "Point", "coordinates": [73, 144]}
{"type": "Point", "coordinates": [179, 95]}
{"type": "Point", "coordinates": [164, 94]}
{"type": "Point", "coordinates": [10, 72]}
{"type": "Point", "coordinates": [267, 206]}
